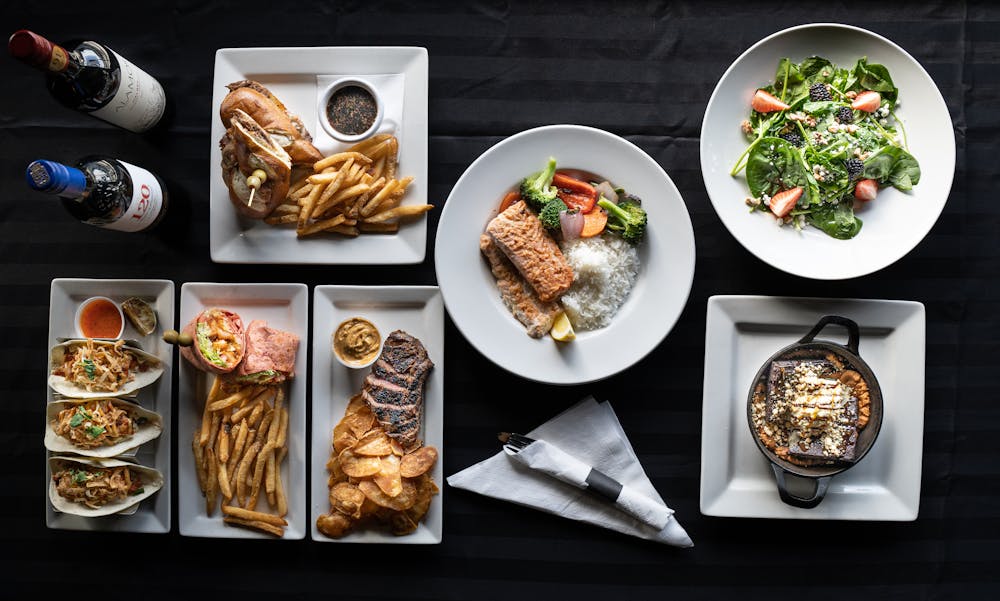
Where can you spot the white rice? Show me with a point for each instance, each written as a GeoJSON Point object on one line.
{"type": "Point", "coordinates": [604, 270]}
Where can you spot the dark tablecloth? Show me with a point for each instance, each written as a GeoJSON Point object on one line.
{"type": "Point", "coordinates": [641, 70]}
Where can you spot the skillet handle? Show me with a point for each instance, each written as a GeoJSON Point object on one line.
{"type": "Point", "coordinates": [853, 332]}
{"type": "Point", "coordinates": [804, 502]}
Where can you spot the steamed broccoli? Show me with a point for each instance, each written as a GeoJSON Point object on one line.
{"type": "Point", "coordinates": [627, 219]}
{"type": "Point", "coordinates": [537, 188]}
{"type": "Point", "coordinates": [549, 215]}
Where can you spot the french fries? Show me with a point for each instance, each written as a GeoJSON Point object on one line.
{"type": "Point", "coordinates": [238, 450]}
{"type": "Point", "coordinates": [349, 193]}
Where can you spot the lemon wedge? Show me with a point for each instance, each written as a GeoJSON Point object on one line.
{"type": "Point", "coordinates": [562, 329]}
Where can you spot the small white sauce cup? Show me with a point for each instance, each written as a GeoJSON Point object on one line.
{"type": "Point", "coordinates": [344, 82]}
{"type": "Point", "coordinates": [84, 304]}
{"type": "Point", "coordinates": [356, 364]}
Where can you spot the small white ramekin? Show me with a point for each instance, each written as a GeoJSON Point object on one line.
{"type": "Point", "coordinates": [342, 83]}
{"type": "Point", "coordinates": [79, 312]}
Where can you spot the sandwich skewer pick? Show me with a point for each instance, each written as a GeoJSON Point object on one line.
{"type": "Point", "coordinates": [256, 178]}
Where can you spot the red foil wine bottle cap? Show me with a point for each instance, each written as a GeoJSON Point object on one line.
{"type": "Point", "coordinates": [30, 47]}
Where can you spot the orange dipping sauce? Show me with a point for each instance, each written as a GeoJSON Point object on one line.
{"type": "Point", "coordinates": [100, 318]}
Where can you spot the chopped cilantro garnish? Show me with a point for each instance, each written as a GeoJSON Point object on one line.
{"type": "Point", "coordinates": [94, 431]}
{"type": "Point", "coordinates": [89, 368]}
{"type": "Point", "coordinates": [137, 491]}
{"type": "Point", "coordinates": [79, 476]}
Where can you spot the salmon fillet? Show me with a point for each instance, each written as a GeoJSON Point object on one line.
{"type": "Point", "coordinates": [520, 235]}
{"type": "Point", "coordinates": [519, 298]}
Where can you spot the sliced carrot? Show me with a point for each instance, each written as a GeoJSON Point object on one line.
{"type": "Point", "coordinates": [509, 199]}
{"type": "Point", "coordinates": [593, 223]}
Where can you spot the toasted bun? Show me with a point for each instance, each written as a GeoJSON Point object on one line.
{"type": "Point", "coordinates": [245, 148]}
{"type": "Point", "coordinates": [263, 107]}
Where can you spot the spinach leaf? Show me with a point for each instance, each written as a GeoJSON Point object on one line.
{"type": "Point", "coordinates": [812, 69]}
{"type": "Point", "coordinates": [893, 166]}
{"type": "Point", "coordinates": [788, 79]}
{"type": "Point", "coordinates": [836, 220]}
{"type": "Point", "coordinates": [821, 107]}
{"type": "Point", "coordinates": [776, 165]}
{"type": "Point", "coordinates": [875, 77]}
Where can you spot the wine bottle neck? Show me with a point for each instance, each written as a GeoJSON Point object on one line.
{"type": "Point", "coordinates": [55, 178]}
{"type": "Point", "coordinates": [37, 51]}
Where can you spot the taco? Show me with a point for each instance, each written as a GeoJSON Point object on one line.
{"type": "Point", "coordinates": [88, 368]}
{"type": "Point", "coordinates": [95, 487]}
{"type": "Point", "coordinates": [99, 427]}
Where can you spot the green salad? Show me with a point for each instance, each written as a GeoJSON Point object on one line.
{"type": "Point", "coordinates": [821, 139]}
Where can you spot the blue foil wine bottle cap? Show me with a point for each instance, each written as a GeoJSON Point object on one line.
{"type": "Point", "coordinates": [56, 178]}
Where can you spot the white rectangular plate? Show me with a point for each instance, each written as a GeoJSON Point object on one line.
{"type": "Point", "coordinates": [290, 73]}
{"type": "Point", "coordinates": [282, 306]}
{"type": "Point", "coordinates": [153, 514]}
{"type": "Point", "coordinates": [742, 332]}
{"type": "Point", "coordinates": [417, 310]}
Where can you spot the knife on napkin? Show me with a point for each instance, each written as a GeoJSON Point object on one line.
{"type": "Point", "coordinates": [550, 459]}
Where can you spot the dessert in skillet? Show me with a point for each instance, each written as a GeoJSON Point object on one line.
{"type": "Point", "coordinates": [811, 408]}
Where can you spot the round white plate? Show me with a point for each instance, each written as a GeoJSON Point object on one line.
{"type": "Point", "coordinates": [470, 292]}
{"type": "Point", "coordinates": [895, 222]}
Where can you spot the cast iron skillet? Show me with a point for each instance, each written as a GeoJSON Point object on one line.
{"type": "Point", "coordinates": [808, 347]}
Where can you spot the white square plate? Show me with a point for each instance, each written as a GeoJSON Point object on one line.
{"type": "Point", "coordinates": [291, 73]}
{"type": "Point", "coordinates": [417, 310]}
{"type": "Point", "coordinates": [742, 332]}
{"type": "Point", "coordinates": [153, 514]}
{"type": "Point", "coordinates": [282, 306]}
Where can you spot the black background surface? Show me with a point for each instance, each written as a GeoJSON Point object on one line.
{"type": "Point", "coordinates": [641, 70]}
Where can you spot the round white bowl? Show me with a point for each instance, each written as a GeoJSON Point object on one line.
{"type": "Point", "coordinates": [343, 83]}
{"type": "Point", "coordinates": [895, 222]}
{"type": "Point", "coordinates": [81, 306]}
{"type": "Point", "coordinates": [470, 292]}
{"type": "Point", "coordinates": [354, 364]}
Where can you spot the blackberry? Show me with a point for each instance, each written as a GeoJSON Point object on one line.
{"type": "Point", "coordinates": [845, 115]}
{"type": "Point", "coordinates": [854, 167]}
{"type": "Point", "coordinates": [792, 138]}
{"type": "Point", "coordinates": [818, 91]}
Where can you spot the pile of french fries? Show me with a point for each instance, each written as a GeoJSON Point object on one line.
{"type": "Point", "coordinates": [238, 451]}
{"type": "Point", "coordinates": [350, 193]}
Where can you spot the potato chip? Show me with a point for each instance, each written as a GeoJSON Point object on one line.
{"type": "Point", "coordinates": [375, 443]}
{"type": "Point", "coordinates": [404, 500]}
{"type": "Point", "coordinates": [402, 524]}
{"type": "Point", "coordinates": [418, 462]}
{"type": "Point", "coordinates": [334, 525]}
{"type": "Point", "coordinates": [397, 449]}
{"type": "Point", "coordinates": [347, 498]}
{"type": "Point", "coordinates": [388, 478]}
{"type": "Point", "coordinates": [359, 467]}
{"type": "Point", "coordinates": [360, 422]}
{"type": "Point", "coordinates": [356, 404]}
{"type": "Point", "coordinates": [343, 437]}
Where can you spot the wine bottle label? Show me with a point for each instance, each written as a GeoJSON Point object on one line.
{"type": "Point", "coordinates": [147, 201]}
{"type": "Point", "coordinates": [139, 102]}
{"type": "Point", "coordinates": [59, 59]}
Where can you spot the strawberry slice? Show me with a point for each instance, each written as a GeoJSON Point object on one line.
{"type": "Point", "coordinates": [867, 101]}
{"type": "Point", "coordinates": [766, 103]}
{"type": "Point", "coordinates": [866, 190]}
{"type": "Point", "coordinates": [783, 202]}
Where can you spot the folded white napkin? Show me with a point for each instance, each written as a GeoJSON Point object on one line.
{"type": "Point", "coordinates": [591, 433]}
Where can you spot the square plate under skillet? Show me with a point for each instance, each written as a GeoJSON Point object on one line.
{"type": "Point", "coordinates": [153, 514]}
{"type": "Point", "coordinates": [742, 332]}
{"type": "Point", "coordinates": [282, 306]}
{"type": "Point", "coordinates": [292, 75]}
{"type": "Point", "coordinates": [417, 310]}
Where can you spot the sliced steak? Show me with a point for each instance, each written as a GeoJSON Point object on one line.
{"type": "Point", "coordinates": [394, 390]}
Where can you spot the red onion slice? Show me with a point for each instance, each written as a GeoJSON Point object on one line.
{"type": "Point", "coordinates": [571, 223]}
{"type": "Point", "coordinates": [608, 191]}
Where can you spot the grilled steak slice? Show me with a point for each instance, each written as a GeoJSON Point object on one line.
{"type": "Point", "coordinates": [394, 390]}
{"type": "Point", "coordinates": [517, 295]}
{"type": "Point", "coordinates": [520, 235]}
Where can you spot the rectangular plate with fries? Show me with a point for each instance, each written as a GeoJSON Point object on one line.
{"type": "Point", "coordinates": [284, 307]}
{"type": "Point", "coordinates": [293, 75]}
{"type": "Point", "coordinates": [417, 310]}
{"type": "Point", "coordinates": [153, 514]}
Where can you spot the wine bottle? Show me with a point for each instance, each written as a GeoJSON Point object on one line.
{"type": "Point", "coordinates": [103, 191]}
{"type": "Point", "coordinates": [92, 78]}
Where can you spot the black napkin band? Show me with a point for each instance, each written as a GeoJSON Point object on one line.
{"type": "Point", "coordinates": [603, 485]}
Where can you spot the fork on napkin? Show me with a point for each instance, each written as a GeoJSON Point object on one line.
{"type": "Point", "coordinates": [590, 433]}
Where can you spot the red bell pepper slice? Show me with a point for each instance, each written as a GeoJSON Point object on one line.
{"type": "Point", "coordinates": [577, 194]}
